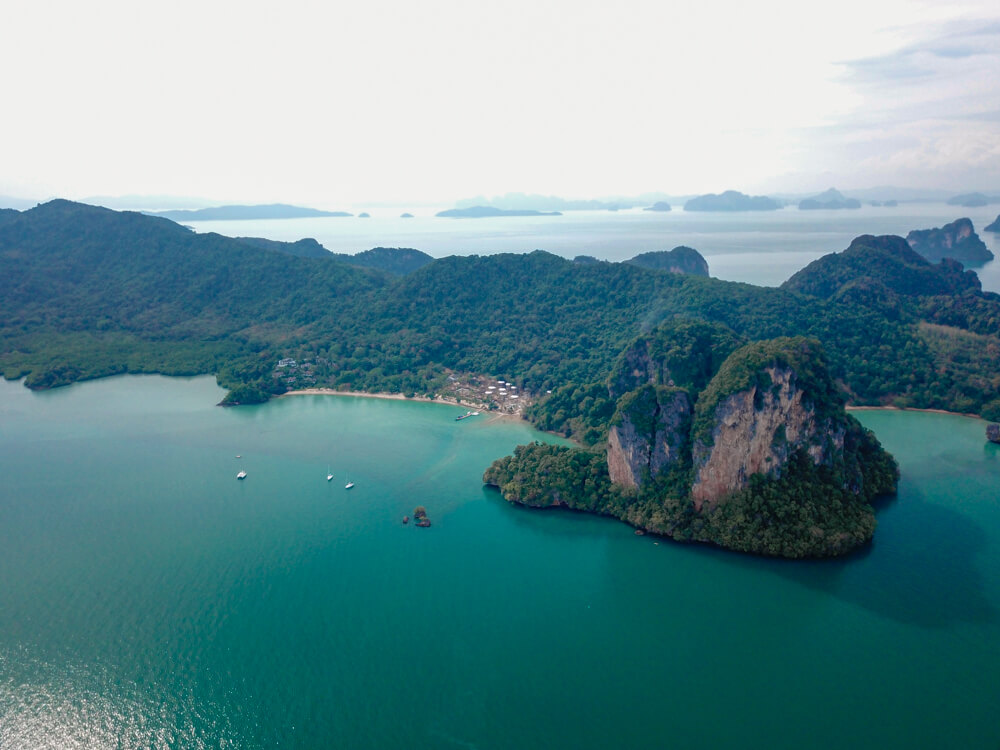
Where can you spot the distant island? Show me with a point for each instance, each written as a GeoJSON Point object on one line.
{"type": "Point", "coordinates": [523, 201]}
{"type": "Point", "coordinates": [830, 200]}
{"type": "Point", "coordinates": [364, 215]}
{"type": "Point", "coordinates": [957, 241]}
{"type": "Point", "coordinates": [971, 200]}
{"type": "Point", "coordinates": [658, 206]}
{"type": "Point", "coordinates": [994, 227]}
{"type": "Point", "coordinates": [406, 215]}
{"type": "Point", "coordinates": [732, 200]}
{"type": "Point", "coordinates": [237, 213]}
{"type": "Point", "coordinates": [482, 212]}
{"type": "Point", "coordinates": [887, 204]}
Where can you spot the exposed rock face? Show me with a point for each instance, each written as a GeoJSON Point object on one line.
{"type": "Point", "coordinates": [648, 434]}
{"type": "Point", "coordinates": [756, 431]}
{"type": "Point", "coordinates": [993, 433]}
{"type": "Point", "coordinates": [957, 240]}
{"type": "Point", "coordinates": [762, 458]}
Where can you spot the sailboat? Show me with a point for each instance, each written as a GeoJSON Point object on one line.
{"type": "Point", "coordinates": [242, 474]}
{"type": "Point", "coordinates": [348, 485]}
{"type": "Point", "coordinates": [329, 474]}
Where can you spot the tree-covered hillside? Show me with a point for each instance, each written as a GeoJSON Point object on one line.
{"type": "Point", "coordinates": [85, 291]}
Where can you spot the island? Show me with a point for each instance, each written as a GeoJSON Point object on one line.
{"type": "Point", "coordinates": [525, 201]}
{"type": "Point", "coordinates": [732, 200]}
{"type": "Point", "coordinates": [406, 215]}
{"type": "Point", "coordinates": [481, 212]}
{"type": "Point", "coordinates": [994, 227]}
{"type": "Point", "coordinates": [626, 359]}
{"type": "Point", "coordinates": [364, 215]}
{"type": "Point", "coordinates": [957, 241]}
{"type": "Point", "coordinates": [830, 200]}
{"type": "Point", "coordinates": [658, 206]}
{"type": "Point", "coordinates": [242, 213]}
{"type": "Point", "coordinates": [970, 200]}
{"type": "Point", "coordinates": [681, 259]}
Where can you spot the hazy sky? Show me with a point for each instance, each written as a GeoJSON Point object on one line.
{"type": "Point", "coordinates": [331, 104]}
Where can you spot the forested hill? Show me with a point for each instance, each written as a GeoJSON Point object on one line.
{"type": "Point", "coordinates": [86, 292]}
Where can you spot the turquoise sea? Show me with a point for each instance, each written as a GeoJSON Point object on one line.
{"type": "Point", "coordinates": [151, 600]}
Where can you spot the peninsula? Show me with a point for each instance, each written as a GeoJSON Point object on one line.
{"type": "Point", "coordinates": [748, 447]}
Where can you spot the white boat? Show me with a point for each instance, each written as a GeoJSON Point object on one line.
{"type": "Point", "coordinates": [242, 474]}
{"type": "Point", "coordinates": [348, 485]}
{"type": "Point", "coordinates": [329, 474]}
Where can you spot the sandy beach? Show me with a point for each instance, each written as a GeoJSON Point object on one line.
{"type": "Point", "coordinates": [491, 415]}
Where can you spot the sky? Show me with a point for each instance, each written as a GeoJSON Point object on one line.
{"type": "Point", "coordinates": [336, 105]}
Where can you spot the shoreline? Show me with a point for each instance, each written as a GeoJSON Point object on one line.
{"type": "Point", "coordinates": [900, 408]}
{"type": "Point", "coordinates": [442, 400]}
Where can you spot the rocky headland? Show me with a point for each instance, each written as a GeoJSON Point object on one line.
{"type": "Point", "coordinates": [957, 241]}
{"type": "Point", "coordinates": [747, 447]}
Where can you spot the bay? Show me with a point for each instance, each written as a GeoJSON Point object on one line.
{"type": "Point", "coordinates": [151, 600]}
{"type": "Point", "coordinates": [763, 248]}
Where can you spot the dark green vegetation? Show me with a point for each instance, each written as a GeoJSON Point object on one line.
{"type": "Point", "coordinates": [87, 292]}
{"type": "Point", "coordinates": [480, 212]}
{"type": "Point", "coordinates": [397, 261]}
{"type": "Point", "coordinates": [679, 260]}
{"type": "Point", "coordinates": [831, 199]}
{"type": "Point", "coordinates": [957, 241]}
{"type": "Point", "coordinates": [810, 497]}
{"type": "Point", "coordinates": [232, 213]}
{"type": "Point", "coordinates": [731, 200]}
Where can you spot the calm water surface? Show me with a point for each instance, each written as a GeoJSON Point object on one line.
{"type": "Point", "coordinates": [763, 247]}
{"type": "Point", "coordinates": [151, 600]}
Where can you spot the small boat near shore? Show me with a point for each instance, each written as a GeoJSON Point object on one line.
{"type": "Point", "coordinates": [467, 415]}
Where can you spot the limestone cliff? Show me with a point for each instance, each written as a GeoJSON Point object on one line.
{"type": "Point", "coordinates": [756, 431]}
{"type": "Point", "coordinates": [957, 241]}
{"type": "Point", "coordinates": [756, 454]}
{"type": "Point", "coordinates": [648, 434]}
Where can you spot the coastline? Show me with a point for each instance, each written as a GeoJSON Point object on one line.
{"type": "Point", "coordinates": [442, 400]}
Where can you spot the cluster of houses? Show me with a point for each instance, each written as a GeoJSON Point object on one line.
{"type": "Point", "coordinates": [294, 374]}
